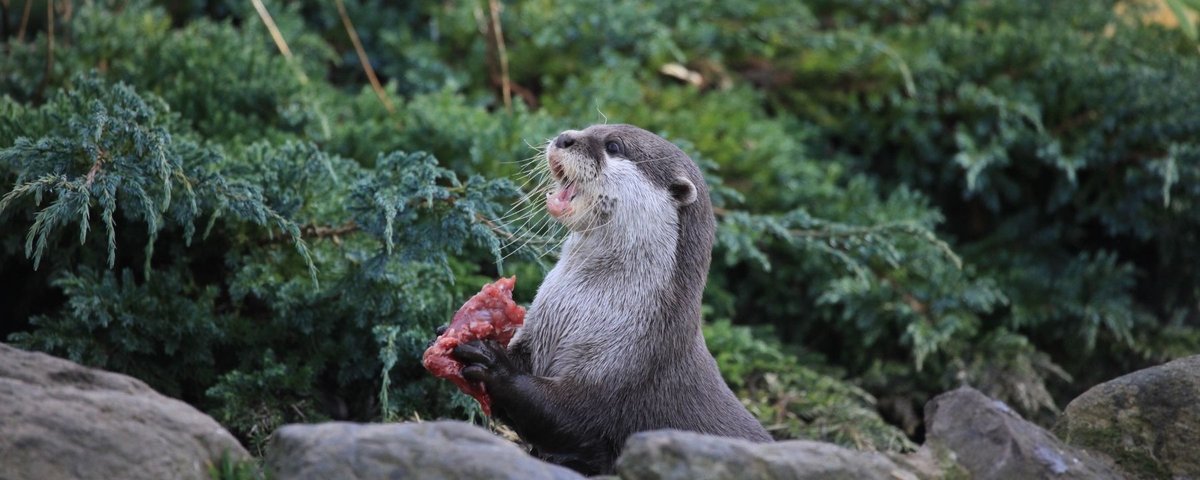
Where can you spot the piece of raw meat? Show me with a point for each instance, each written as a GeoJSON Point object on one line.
{"type": "Point", "coordinates": [489, 315]}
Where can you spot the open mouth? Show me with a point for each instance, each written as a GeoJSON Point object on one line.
{"type": "Point", "coordinates": [558, 201]}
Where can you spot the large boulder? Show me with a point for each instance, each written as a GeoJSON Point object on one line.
{"type": "Point", "coordinates": [444, 449]}
{"type": "Point", "coordinates": [60, 420]}
{"type": "Point", "coordinates": [990, 441]}
{"type": "Point", "coordinates": [673, 454]}
{"type": "Point", "coordinates": [1148, 421]}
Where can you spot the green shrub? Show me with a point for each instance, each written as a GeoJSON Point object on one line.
{"type": "Point", "coordinates": [911, 195]}
{"type": "Point", "coordinates": [794, 401]}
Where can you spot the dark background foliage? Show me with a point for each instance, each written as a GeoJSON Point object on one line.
{"type": "Point", "coordinates": [911, 195]}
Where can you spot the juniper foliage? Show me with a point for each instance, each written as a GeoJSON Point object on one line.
{"type": "Point", "coordinates": [910, 195]}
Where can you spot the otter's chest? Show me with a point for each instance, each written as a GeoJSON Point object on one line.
{"type": "Point", "coordinates": [583, 324]}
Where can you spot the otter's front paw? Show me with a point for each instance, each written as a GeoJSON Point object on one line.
{"type": "Point", "coordinates": [437, 333]}
{"type": "Point", "coordinates": [484, 361]}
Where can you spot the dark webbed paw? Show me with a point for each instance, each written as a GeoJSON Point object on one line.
{"type": "Point", "coordinates": [484, 361]}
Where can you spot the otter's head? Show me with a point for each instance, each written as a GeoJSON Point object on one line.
{"type": "Point", "coordinates": [622, 176]}
{"type": "Point", "coordinates": [633, 194]}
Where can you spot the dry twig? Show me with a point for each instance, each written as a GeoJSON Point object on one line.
{"type": "Point", "coordinates": [24, 21]}
{"type": "Point", "coordinates": [362, 58]}
{"type": "Point", "coordinates": [502, 52]}
{"type": "Point", "coordinates": [280, 43]}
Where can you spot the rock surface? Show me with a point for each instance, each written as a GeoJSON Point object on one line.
{"type": "Point", "coordinates": [672, 454]}
{"type": "Point", "coordinates": [401, 450]}
{"type": "Point", "coordinates": [1148, 421]}
{"type": "Point", "coordinates": [990, 441]}
{"type": "Point", "coordinates": [60, 420]}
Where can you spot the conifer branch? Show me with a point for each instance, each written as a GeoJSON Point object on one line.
{"type": "Point", "coordinates": [321, 231]}
{"type": "Point", "coordinates": [101, 156]}
{"type": "Point", "coordinates": [316, 231]}
{"type": "Point", "coordinates": [336, 232]}
{"type": "Point", "coordinates": [494, 227]}
{"type": "Point", "coordinates": [833, 231]}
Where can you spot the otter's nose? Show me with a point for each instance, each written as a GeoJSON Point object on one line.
{"type": "Point", "coordinates": [564, 140]}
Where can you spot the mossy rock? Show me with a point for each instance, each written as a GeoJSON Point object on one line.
{"type": "Point", "coordinates": [1148, 421]}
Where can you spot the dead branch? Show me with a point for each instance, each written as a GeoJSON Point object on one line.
{"type": "Point", "coordinates": [362, 58]}
{"type": "Point", "coordinates": [501, 52]}
{"type": "Point", "coordinates": [280, 43]}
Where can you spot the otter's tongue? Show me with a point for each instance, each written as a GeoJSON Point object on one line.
{"type": "Point", "coordinates": [558, 203]}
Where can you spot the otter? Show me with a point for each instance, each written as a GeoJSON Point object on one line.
{"type": "Point", "coordinates": [612, 343]}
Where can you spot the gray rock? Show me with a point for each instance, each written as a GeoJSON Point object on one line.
{"type": "Point", "coordinates": [60, 420]}
{"type": "Point", "coordinates": [990, 441]}
{"type": "Point", "coordinates": [928, 464]}
{"type": "Point", "coordinates": [444, 449]}
{"type": "Point", "coordinates": [1148, 421]}
{"type": "Point", "coordinates": [673, 454]}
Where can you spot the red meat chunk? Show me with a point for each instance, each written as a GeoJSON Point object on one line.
{"type": "Point", "coordinates": [490, 315]}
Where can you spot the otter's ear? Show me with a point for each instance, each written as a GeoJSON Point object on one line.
{"type": "Point", "coordinates": [683, 191]}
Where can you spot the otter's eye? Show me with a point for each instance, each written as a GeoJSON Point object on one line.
{"type": "Point", "coordinates": [613, 148]}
